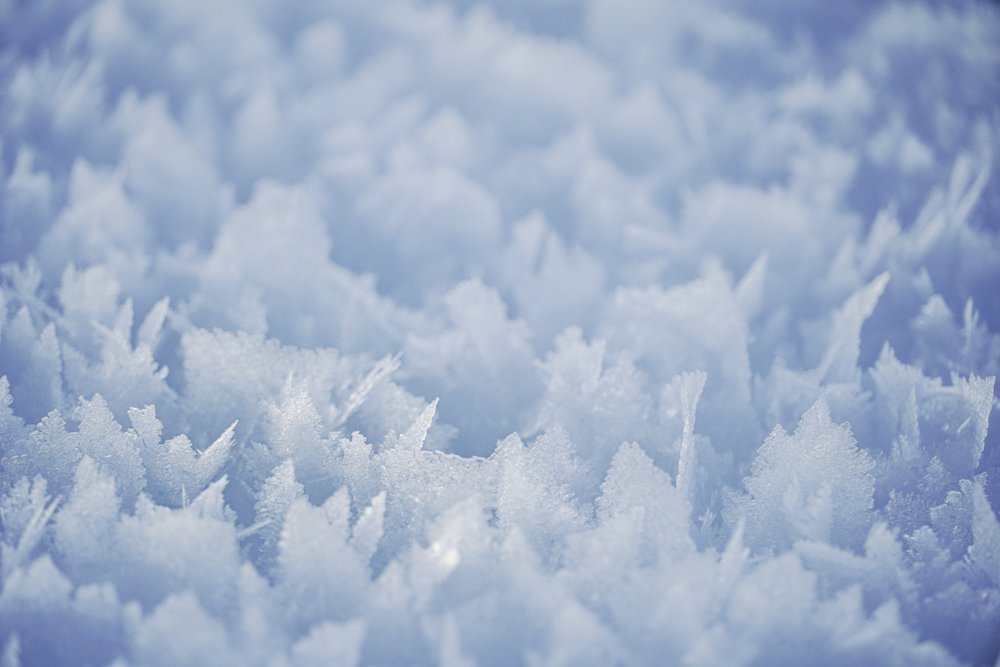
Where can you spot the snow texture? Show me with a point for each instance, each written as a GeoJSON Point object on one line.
{"type": "Point", "coordinates": [567, 332]}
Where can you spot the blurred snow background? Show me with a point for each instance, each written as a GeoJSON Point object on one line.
{"type": "Point", "coordinates": [561, 332]}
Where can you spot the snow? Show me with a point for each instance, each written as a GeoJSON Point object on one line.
{"type": "Point", "coordinates": [511, 333]}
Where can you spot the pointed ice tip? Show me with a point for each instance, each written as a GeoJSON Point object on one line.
{"type": "Point", "coordinates": [512, 443]}
{"type": "Point", "coordinates": [693, 385]}
{"type": "Point", "coordinates": [415, 436]}
{"type": "Point", "coordinates": [840, 361]}
{"type": "Point", "coordinates": [152, 324]}
{"type": "Point", "coordinates": [244, 533]}
{"type": "Point", "coordinates": [818, 414]}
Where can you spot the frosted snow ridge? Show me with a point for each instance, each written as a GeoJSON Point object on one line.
{"type": "Point", "coordinates": [567, 332]}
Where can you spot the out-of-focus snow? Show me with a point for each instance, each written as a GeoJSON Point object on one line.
{"type": "Point", "coordinates": [568, 332]}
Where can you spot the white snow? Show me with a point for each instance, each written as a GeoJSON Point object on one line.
{"type": "Point", "coordinates": [567, 332]}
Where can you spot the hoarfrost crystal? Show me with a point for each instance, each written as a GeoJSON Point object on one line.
{"type": "Point", "coordinates": [502, 333]}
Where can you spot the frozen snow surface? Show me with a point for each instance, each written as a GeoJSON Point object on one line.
{"type": "Point", "coordinates": [548, 332]}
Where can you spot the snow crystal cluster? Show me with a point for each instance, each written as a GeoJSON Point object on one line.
{"type": "Point", "coordinates": [556, 332]}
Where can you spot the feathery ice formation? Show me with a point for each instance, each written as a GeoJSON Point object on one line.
{"type": "Point", "coordinates": [582, 332]}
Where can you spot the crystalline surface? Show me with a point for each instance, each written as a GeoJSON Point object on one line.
{"type": "Point", "coordinates": [811, 485]}
{"type": "Point", "coordinates": [610, 332]}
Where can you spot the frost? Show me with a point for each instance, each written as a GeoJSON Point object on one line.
{"type": "Point", "coordinates": [369, 528]}
{"type": "Point", "coordinates": [813, 484]}
{"type": "Point", "coordinates": [273, 500]}
{"type": "Point", "coordinates": [25, 513]}
{"type": "Point", "coordinates": [635, 486]}
{"type": "Point", "coordinates": [454, 333]}
{"type": "Point", "coordinates": [415, 436]}
{"type": "Point", "coordinates": [985, 548]}
{"type": "Point", "coordinates": [600, 401]}
{"type": "Point", "coordinates": [101, 438]}
{"type": "Point", "coordinates": [690, 327]}
{"type": "Point", "coordinates": [174, 470]}
{"type": "Point", "coordinates": [481, 365]}
{"type": "Point", "coordinates": [953, 418]}
{"type": "Point", "coordinates": [689, 387]}
{"type": "Point", "coordinates": [840, 362]}
{"type": "Point", "coordinates": [320, 552]}
{"type": "Point", "coordinates": [534, 490]}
